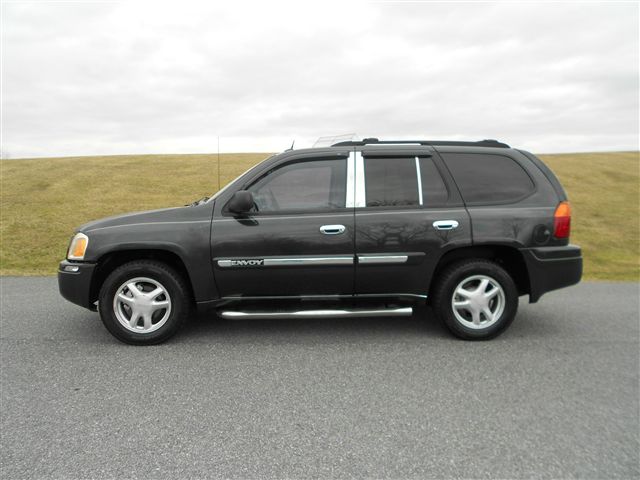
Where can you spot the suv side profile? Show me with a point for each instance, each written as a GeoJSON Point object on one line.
{"type": "Point", "coordinates": [360, 228]}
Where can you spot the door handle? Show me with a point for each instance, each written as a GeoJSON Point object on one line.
{"type": "Point", "coordinates": [445, 224]}
{"type": "Point", "coordinates": [332, 229]}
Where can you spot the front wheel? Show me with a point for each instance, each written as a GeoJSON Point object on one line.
{"type": "Point", "coordinates": [476, 299]}
{"type": "Point", "coordinates": [144, 302]}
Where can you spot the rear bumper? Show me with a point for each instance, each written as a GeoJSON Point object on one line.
{"type": "Point", "coordinates": [74, 282]}
{"type": "Point", "coordinates": [551, 268]}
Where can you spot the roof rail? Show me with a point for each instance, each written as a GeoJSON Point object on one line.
{"type": "Point", "coordinates": [452, 143]}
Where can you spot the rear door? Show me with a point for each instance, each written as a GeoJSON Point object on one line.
{"type": "Point", "coordinates": [298, 241]}
{"type": "Point", "coordinates": [408, 213]}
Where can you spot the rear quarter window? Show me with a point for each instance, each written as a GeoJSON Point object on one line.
{"type": "Point", "coordinates": [488, 178]}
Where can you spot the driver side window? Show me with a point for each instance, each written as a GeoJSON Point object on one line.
{"type": "Point", "coordinates": [305, 185]}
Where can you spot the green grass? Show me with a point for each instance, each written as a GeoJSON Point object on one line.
{"type": "Point", "coordinates": [604, 191]}
{"type": "Point", "coordinates": [42, 200]}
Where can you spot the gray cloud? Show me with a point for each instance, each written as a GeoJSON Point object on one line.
{"type": "Point", "coordinates": [112, 78]}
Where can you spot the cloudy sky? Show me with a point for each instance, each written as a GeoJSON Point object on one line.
{"type": "Point", "coordinates": [133, 77]}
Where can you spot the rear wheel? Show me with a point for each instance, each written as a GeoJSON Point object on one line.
{"type": "Point", "coordinates": [144, 302]}
{"type": "Point", "coordinates": [476, 299]}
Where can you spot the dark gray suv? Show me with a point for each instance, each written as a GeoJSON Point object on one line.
{"type": "Point", "coordinates": [366, 228]}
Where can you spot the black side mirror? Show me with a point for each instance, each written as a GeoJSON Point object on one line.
{"type": "Point", "coordinates": [241, 202]}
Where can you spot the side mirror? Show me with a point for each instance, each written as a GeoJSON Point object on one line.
{"type": "Point", "coordinates": [241, 202]}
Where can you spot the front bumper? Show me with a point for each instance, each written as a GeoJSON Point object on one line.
{"type": "Point", "coordinates": [74, 282]}
{"type": "Point", "coordinates": [551, 268]}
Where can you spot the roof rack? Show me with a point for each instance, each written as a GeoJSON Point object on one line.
{"type": "Point", "coordinates": [448, 143]}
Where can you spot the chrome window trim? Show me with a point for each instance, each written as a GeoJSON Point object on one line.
{"type": "Point", "coordinates": [419, 179]}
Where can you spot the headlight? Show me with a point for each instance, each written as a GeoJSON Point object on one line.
{"type": "Point", "coordinates": [78, 247]}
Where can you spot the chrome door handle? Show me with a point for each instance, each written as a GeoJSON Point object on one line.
{"type": "Point", "coordinates": [332, 229]}
{"type": "Point", "coordinates": [445, 224]}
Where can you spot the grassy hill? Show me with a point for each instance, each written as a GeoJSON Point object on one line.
{"type": "Point", "coordinates": [42, 200]}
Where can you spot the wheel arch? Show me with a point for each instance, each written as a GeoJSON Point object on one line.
{"type": "Point", "coordinates": [109, 261]}
{"type": "Point", "coordinates": [510, 258]}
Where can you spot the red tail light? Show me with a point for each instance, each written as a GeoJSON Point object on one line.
{"type": "Point", "coordinates": [562, 220]}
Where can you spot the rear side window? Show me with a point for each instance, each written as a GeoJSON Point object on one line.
{"type": "Point", "coordinates": [434, 191]}
{"type": "Point", "coordinates": [487, 178]}
{"type": "Point", "coordinates": [391, 181]}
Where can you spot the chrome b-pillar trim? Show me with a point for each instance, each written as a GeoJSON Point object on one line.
{"type": "Point", "coordinates": [356, 195]}
{"type": "Point", "coordinates": [361, 196]}
{"type": "Point", "coordinates": [350, 199]}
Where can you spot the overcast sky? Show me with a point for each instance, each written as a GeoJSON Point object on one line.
{"type": "Point", "coordinates": [123, 77]}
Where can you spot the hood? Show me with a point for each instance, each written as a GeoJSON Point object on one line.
{"type": "Point", "coordinates": [177, 214]}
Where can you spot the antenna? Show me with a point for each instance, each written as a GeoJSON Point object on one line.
{"type": "Point", "coordinates": [292, 144]}
{"type": "Point", "coordinates": [218, 162]}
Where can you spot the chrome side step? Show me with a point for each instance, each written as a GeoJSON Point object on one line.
{"type": "Point", "coordinates": [341, 313]}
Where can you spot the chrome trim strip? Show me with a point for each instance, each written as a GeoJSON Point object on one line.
{"type": "Point", "coordinates": [285, 261]}
{"type": "Point", "coordinates": [377, 259]}
{"type": "Point", "coordinates": [328, 313]}
{"type": "Point", "coordinates": [385, 295]}
{"type": "Point", "coordinates": [269, 262]}
{"type": "Point", "coordinates": [361, 195]}
{"type": "Point", "coordinates": [419, 175]}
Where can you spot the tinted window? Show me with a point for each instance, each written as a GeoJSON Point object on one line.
{"type": "Point", "coordinates": [391, 181]}
{"type": "Point", "coordinates": [434, 191]}
{"type": "Point", "coordinates": [305, 185]}
{"type": "Point", "coordinates": [485, 178]}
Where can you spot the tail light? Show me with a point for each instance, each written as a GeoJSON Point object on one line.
{"type": "Point", "coordinates": [562, 220]}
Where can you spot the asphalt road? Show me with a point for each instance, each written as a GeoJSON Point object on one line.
{"type": "Point", "coordinates": [555, 396]}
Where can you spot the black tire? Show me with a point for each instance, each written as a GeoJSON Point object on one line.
{"type": "Point", "coordinates": [451, 278]}
{"type": "Point", "coordinates": [175, 286]}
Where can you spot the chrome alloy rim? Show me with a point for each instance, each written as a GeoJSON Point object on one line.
{"type": "Point", "coordinates": [478, 302]}
{"type": "Point", "coordinates": [142, 305]}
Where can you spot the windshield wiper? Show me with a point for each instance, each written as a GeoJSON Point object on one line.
{"type": "Point", "coordinates": [198, 202]}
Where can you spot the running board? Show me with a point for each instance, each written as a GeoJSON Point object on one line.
{"type": "Point", "coordinates": [342, 313]}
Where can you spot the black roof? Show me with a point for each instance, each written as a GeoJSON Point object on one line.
{"type": "Point", "coordinates": [375, 141]}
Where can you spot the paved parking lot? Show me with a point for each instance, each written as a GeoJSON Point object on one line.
{"type": "Point", "coordinates": [555, 396]}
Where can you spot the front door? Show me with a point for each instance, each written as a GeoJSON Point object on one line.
{"type": "Point", "coordinates": [298, 241]}
{"type": "Point", "coordinates": [408, 213]}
